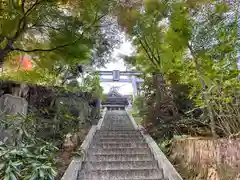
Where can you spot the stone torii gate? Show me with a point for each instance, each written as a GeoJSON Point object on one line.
{"type": "Point", "coordinates": [116, 77]}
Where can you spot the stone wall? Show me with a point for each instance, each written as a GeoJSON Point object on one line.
{"type": "Point", "coordinates": [207, 159]}
{"type": "Point", "coordinates": [41, 97]}
{"type": "Point", "coordinates": [55, 110]}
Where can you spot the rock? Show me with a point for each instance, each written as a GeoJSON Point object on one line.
{"type": "Point", "coordinates": [67, 149]}
{"type": "Point", "coordinates": [75, 140]}
{"type": "Point", "coordinates": [68, 144]}
{"type": "Point", "coordinates": [5, 136]}
{"type": "Point", "coordinates": [13, 105]}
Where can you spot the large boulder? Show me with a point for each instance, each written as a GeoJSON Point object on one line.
{"type": "Point", "coordinates": [13, 105]}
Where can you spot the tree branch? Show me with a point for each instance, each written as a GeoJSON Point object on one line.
{"type": "Point", "coordinates": [48, 27]}
{"type": "Point", "coordinates": [149, 56]}
{"type": "Point", "coordinates": [37, 2]}
{"type": "Point", "coordinates": [23, 21]}
{"type": "Point", "coordinates": [48, 50]}
{"type": "Point", "coordinates": [23, 3]}
{"type": "Point", "coordinates": [157, 50]}
{"type": "Point", "coordinates": [1, 39]}
{"type": "Point", "coordinates": [105, 25]}
{"type": "Point", "coordinates": [198, 68]}
{"type": "Point", "coordinates": [158, 55]}
{"type": "Point", "coordinates": [61, 46]}
{"type": "Point", "coordinates": [152, 51]}
{"type": "Point", "coordinates": [147, 49]}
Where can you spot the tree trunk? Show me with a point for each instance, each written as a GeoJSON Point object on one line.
{"type": "Point", "coordinates": [206, 97]}
{"type": "Point", "coordinates": [206, 100]}
{"type": "Point", "coordinates": [163, 96]}
{"type": "Point", "coordinates": [3, 53]}
{"type": "Point", "coordinates": [211, 115]}
{"type": "Point", "coordinates": [2, 56]}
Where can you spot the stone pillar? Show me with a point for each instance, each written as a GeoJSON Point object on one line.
{"type": "Point", "coordinates": [134, 85]}
{"type": "Point", "coordinates": [116, 75]}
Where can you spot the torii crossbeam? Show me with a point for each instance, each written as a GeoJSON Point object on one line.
{"type": "Point", "coordinates": [116, 77]}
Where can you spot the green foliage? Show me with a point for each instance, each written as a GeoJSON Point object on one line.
{"type": "Point", "coordinates": [164, 146]}
{"type": "Point", "coordinates": [23, 155]}
{"type": "Point", "coordinates": [188, 43]}
{"type": "Point", "coordinates": [91, 83]}
{"type": "Point", "coordinates": [38, 76]}
{"type": "Point", "coordinates": [27, 161]}
{"type": "Point", "coordinates": [57, 35]}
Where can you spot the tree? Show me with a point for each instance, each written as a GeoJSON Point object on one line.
{"type": "Point", "coordinates": [188, 43]}
{"type": "Point", "coordinates": [68, 30]}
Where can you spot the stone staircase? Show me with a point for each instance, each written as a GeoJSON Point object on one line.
{"type": "Point", "coordinates": [119, 151]}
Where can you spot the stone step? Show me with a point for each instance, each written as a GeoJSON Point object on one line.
{"type": "Point", "coordinates": [122, 174]}
{"type": "Point", "coordinates": [97, 178]}
{"type": "Point", "coordinates": [123, 136]}
{"type": "Point", "coordinates": [115, 128]}
{"type": "Point", "coordinates": [120, 157]}
{"type": "Point", "coordinates": [120, 127]}
{"type": "Point", "coordinates": [118, 140]}
{"type": "Point", "coordinates": [118, 133]}
{"type": "Point", "coordinates": [117, 122]}
{"type": "Point", "coordinates": [143, 150]}
{"type": "Point", "coordinates": [119, 145]}
{"type": "Point", "coordinates": [118, 153]}
{"type": "Point", "coordinates": [91, 165]}
{"type": "Point", "coordinates": [119, 119]}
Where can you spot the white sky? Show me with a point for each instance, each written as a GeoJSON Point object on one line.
{"type": "Point", "coordinates": [125, 48]}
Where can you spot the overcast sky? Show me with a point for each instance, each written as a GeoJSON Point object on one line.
{"type": "Point", "coordinates": [125, 49]}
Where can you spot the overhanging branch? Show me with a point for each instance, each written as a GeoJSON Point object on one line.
{"type": "Point", "coordinates": [151, 50]}
{"type": "Point", "coordinates": [23, 21]}
{"type": "Point", "coordinates": [60, 46]}
{"type": "Point", "coordinates": [1, 39]}
{"type": "Point", "coordinates": [48, 50]}
{"type": "Point", "coordinates": [150, 56]}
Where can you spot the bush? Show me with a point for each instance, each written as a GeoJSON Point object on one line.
{"type": "Point", "coordinates": [23, 156]}
{"type": "Point", "coordinates": [27, 161]}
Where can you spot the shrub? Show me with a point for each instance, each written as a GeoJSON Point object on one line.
{"type": "Point", "coordinates": [23, 156]}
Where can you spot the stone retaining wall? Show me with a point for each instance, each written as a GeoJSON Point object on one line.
{"type": "Point", "coordinates": [41, 97]}
{"type": "Point", "coordinates": [48, 106]}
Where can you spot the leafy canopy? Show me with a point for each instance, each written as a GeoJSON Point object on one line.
{"type": "Point", "coordinates": [56, 33]}
{"type": "Point", "coordinates": [194, 43]}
